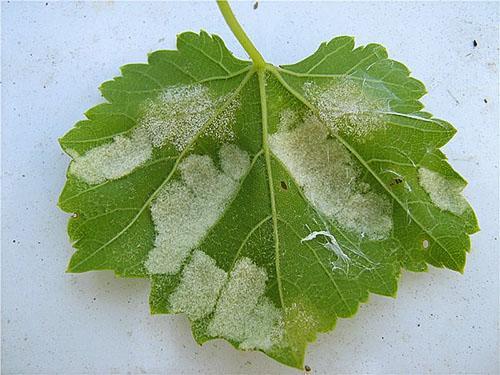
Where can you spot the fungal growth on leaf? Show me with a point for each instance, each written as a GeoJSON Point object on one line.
{"type": "Point", "coordinates": [112, 160]}
{"type": "Point", "coordinates": [330, 178]}
{"type": "Point", "coordinates": [198, 288]}
{"type": "Point", "coordinates": [185, 209]}
{"type": "Point", "coordinates": [263, 202]}
{"type": "Point", "coordinates": [444, 192]}
{"type": "Point", "coordinates": [243, 313]}
{"type": "Point", "coordinates": [345, 107]}
{"type": "Point", "coordinates": [178, 114]}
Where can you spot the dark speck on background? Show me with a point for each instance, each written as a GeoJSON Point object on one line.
{"type": "Point", "coordinates": [474, 43]}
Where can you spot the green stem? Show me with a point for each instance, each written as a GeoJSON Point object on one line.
{"type": "Point", "coordinates": [240, 34]}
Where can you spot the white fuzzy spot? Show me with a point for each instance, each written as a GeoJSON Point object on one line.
{"type": "Point", "coordinates": [112, 160]}
{"type": "Point", "coordinates": [199, 287]}
{"type": "Point", "coordinates": [425, 244]}
{"type": "Point", "coordinates": [179, 113]}
{"type": "Point", "coordinates": [234, 163]}
{"type": "Point", "coordinates": [243, 313]}
{"type": "Point", "coordinates": [264, 327]}
{"type": "Point", "coordinates": [300, 322]}
{"type": "Point", "coordinates": [72, 153]}
{"type": "Point", "coordinates": [288, 119]}
{"type": "Point", "coordinates": [186, 209]}
{"type": "Point", "coordinates": [221, 127]}
{"type": "Point", "coordinates": [444, 192]}
{"type": "Point", "coordinates": [176, 116]}
{"type": "Point", "coordinates": [331, 179]}
{"type": "Point", "coordinates": [346, 107]}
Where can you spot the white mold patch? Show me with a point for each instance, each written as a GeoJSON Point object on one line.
{"type": "Point", "coordinates": [179, 113]}
{"type": "Point", "coordinates": [346, 107]}
{"type": "Point", "coordinates": [234, 162]}
{"type": "Point", "coordinates": [199, 287]}
{"type": "Point", "coordinates": [243, 313]}
{"type": "Point", "coordinates": [112, 160]}
{"type": "Point", "coordinates": [186, 209]}
{"type": "Point", "coordinates": [301, 325]}
{"type": "Point", "coordinates": [331, 179]}
{"type": "Point", "coordinates": [444, 193]}
{"type": "Point", "coordinates": [288, 118]}
{"type": "Point", "coordinates": [221, 128]}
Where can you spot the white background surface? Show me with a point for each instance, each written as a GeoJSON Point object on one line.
{"type": "Point", "coordinates": [54, 58]}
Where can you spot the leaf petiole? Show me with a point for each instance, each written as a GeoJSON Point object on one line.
{"type": "Point", "coordinates": [240, 34]}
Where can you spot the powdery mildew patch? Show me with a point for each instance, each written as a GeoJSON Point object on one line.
{"type": "Point", "coordinates": [243, 313]}
{"type": "Point", "coordinates": [301, 325]}
{"type": "Point", "coordinates": [444, 192]}
{"type": "Point", "coordinates": [178, 114]}
{"type": "Point", "coordinates": [221, 127]}
{"type": "Point", "coordinates": [346, 107]}
{"type": "Point", "coordinates": [186, 209]}
{"type": "Point", "coordinates": [112, 160]}
{"type": "Point", "coordinates": [288, 118]}
{"type": "Point", "coordinates": [330, 179]}
{"type": "Point", "coordinates": [199, 287]}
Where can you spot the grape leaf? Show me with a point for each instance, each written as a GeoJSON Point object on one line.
{"type": "Point", "coordinates": [264, 203]}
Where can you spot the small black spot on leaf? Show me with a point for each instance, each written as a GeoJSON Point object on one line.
{"type": "Point", "coordinates": [284, 186]}
{"type": "Point", "coordinates": [396, 181]}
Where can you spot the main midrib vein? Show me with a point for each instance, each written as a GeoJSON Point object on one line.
{"type": "Point", "coordinates": [267, 154]}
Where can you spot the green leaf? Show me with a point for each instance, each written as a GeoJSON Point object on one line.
{"type": "Point", "coordinates": [264, 203]}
